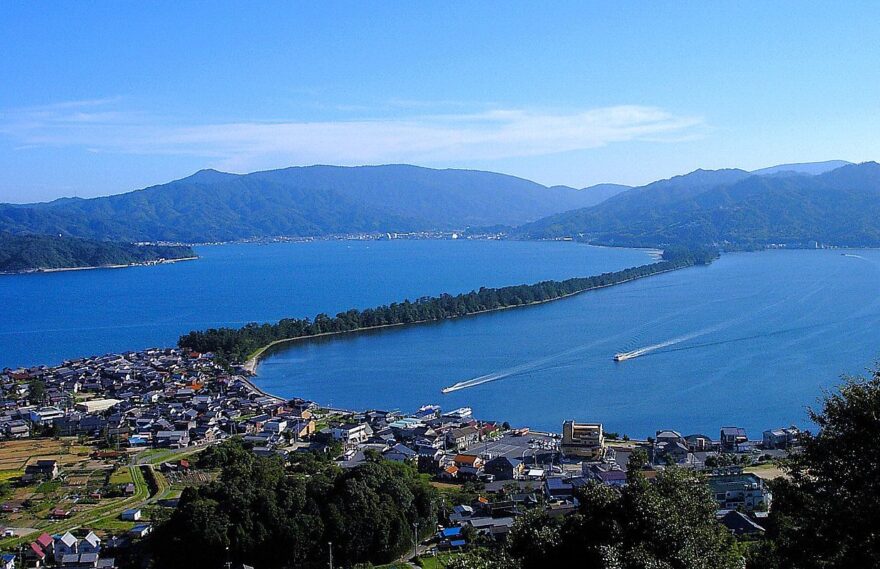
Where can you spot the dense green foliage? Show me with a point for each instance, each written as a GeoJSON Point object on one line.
{"type": "Point", "coordinates": [826, 514]}
{"type": "Point", "coordinates": [270, 517]}
{"type": "Point", "coordinates": [666, 524]}
{"type": "Point", "coordinates": [32, 252]}
{"type": "Point", "coordinates": [236, 344]}
{"type": "Point", "coordinates": [734, 209]}
{"type": "Point", "coordinates": [310, 201]}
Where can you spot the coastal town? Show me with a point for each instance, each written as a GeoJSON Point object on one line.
{"type": "Point", "coordinates": [95, 449]}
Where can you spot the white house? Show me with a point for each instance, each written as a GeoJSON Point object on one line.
{"type": "Point", "coordinates": [352, 433]}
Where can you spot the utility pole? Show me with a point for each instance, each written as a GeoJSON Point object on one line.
{"type": "Point", "coordinates": [415, 539]}
{"type": "Point", "coordinates": [330, 545]}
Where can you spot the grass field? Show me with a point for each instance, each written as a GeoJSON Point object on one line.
{"type": "Point", "coordinates": [767, 471]}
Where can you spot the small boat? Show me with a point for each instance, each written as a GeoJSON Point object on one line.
{"type": "Point", "coordinates": [621, 357]}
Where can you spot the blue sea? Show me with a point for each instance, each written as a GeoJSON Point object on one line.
{"type": "Point", "coordinates": [750, 340]}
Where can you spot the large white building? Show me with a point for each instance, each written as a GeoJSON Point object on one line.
{"type": "Point", "coordinates": [585, 440]}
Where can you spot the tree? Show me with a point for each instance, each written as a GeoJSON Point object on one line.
{"type": "Point", "coordinates": [668, 523]}
{"type": "Point", "coordinates": [826, 514]}
{"type": "Point", "coordinates": [36, 391]}
{"type": "Point", "coordinates": [272, 515]}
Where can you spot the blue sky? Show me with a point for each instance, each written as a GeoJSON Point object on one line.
{"type": "Point", "coordinates": [100, 97]}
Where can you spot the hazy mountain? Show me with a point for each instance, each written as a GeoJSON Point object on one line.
{"type": "Point", "coordinates": [315, 200]}
{"type": "Point", "coordinates": [601, 192]}
{"type": "Point", "coordinates": [840, 207]}
{"type": "Point", "coordinates": [808, 168]}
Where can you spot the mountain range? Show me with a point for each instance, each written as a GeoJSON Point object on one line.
{"type": "Point", "coordinates": [303, 201]}
{"type": "Point", "coordinates": [837, 206]}
{"type": "Point", "coordinates": [832, 202]}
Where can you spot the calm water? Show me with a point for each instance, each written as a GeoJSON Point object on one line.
{"type": "Point", "coordinates": [45, 318]}
{"type": "Point", "coordinates": [748, 341]}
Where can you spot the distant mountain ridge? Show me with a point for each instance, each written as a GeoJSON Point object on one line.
{"type": "Point", "coordinates": [840, 206]}
{"type": "Point", "coordinates": [805, 168]}
{"type": "Point", "coordinates": [301, 201]}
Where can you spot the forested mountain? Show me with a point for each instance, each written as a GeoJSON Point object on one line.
{"type": "Point", "coordinates": [32, 252]}
{"type": "Point", "coordinates": [733, 207]}
{"type": "Point", "coordinates": [303, 201]}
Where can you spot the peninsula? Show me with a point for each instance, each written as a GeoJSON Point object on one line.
{"type": "Point", "coordinates": [44, 253]}
{"type": "Point", "coordinates": [246, 344]}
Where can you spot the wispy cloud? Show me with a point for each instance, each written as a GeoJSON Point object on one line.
{"type": "Point", "coordinates": [102, 125]}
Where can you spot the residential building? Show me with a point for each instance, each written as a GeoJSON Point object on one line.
{"type": "Point", "coordinates": [585, 440]}
{"type": "Point", "coordinates": [504, 468]}
{"type": "Point", "coordinates": [733, 489]}
{"type": "Point", "coordinates": [351, 433]}
{"type": "Point", "coordinates": [42, 469]}
{"type": "Point", "coordinates": [781, 438]}
{"type": "Point", "coordinates": [732, 437]}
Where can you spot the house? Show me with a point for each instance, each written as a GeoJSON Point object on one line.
{"type": "Point", "coordinates": [46, 544]}
{"type": "Point", "coordinates": [463, 437]}
{"type": "Point", "coordinates": [494, 527]}
{"type": "Point", "coordinates": [351, 433]}
{"type": "Point", "coordinates": [698, 443]}
{"type": "Point", "coordinates": [734, 490]}
{"type": "Point", "coordinates": [449, 473]}
{"type": "Point", "coordinates": [45, 415]}
{"type": "Point", "coordinates": [91, 543]}
{"type": "Point", "coordinates": [302, 428]}
{"type": "Point", "coordinates": [172, 439]}
{"type": "Point", "coordinates": [462, 460]}
{"type": "Point", "coordinates": [65, 544]}
{"type": "Point", "coordinates": [668, 436]}
{"type": "Point", "coordinates": [131, 515]}
{"type": "Point", "coordinates": [400, 453]}
{"type": "Point", "coordinates": [7, 561]}
{"type": "Point", "coordinates": [732, 437]}
{"type": "Point", "coordinates": [584, 440]}
{"type": "Point", "coordinates": [42, 469]}
{"type": "Point", "coordinates": [34, 556]}
{"type": "Point", "coordinates": [460, 513]}
{"type": "Point", "coordinates": [557, 488]}
{"type": "Point", "coordinates": [613, 478]}
{"type": "Point", "coordinates": [79, 561]}
{"type": "Point", "coordinates": [450, 533]}
{"type": "Point", "coordinates": [672, 451]}
{"type": "Point", "coordinates": [12, 507]}
{"type": "Point", "coordinates": [504, 468]}
{"type": "Point", "coordinates": [740, 524]}
{"type": "Point", "coordinates": [141, 530]}
{"type": "Point", "coordinates": [17, 429]}
{"type": "Point", "coordinates": [781, 438]}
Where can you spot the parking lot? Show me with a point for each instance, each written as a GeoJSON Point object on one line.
{"type": "Point", "coordinates": [516, 446]}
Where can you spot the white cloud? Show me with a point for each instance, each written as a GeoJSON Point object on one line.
{"type": "Point", "coordinates": [421, 138]}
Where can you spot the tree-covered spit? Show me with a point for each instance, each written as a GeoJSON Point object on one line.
{"type": "Point", "coordinates": [237, 344]}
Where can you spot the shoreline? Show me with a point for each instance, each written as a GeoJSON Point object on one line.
{"type": "Point", "coordinates": [95, 267]}
{"type": "Point", "coordinates": [250, 365]}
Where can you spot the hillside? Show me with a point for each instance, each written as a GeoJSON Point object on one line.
{"type": "Point", "coordinates": [19, 253]}
{"type": "Point", "coordinates": [301, 201]}
{"type": "Point", "coordinates": [734, 208]}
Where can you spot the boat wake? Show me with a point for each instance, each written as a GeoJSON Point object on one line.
{"type": "Point", "coordinates": [515, 370]}
{"type": "Point", "coordinates": [665, 344]}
